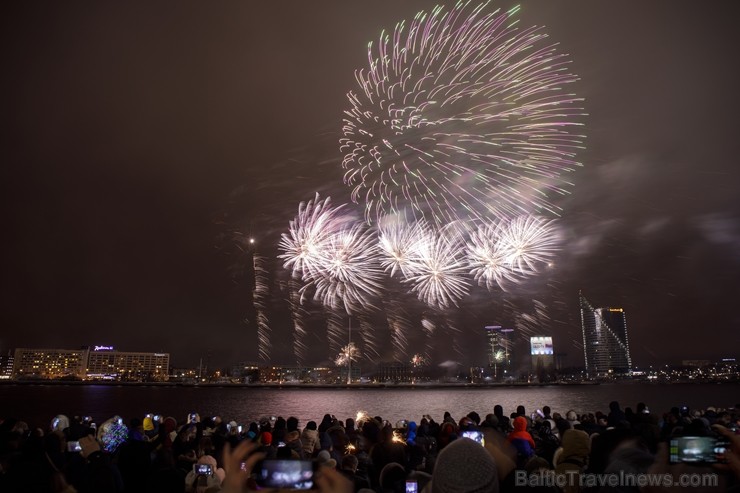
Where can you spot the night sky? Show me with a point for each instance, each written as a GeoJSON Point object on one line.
{"type": "Point", "coordinates": [144, 142]}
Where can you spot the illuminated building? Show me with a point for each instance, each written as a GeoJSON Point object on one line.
{"type": "Point", "coordinates": [6, 365]}
{"type": "Point", "coordinates": [108, 364]}
{"type": "Point", "coordinates": [543, 357]}
{"type": "Point", "coordinates": [93, 363]}
{"type": "Point", "coordinates": [605, 344]}
{"type": "Point", "coordinates": [49, 363]}
{"type": "Point", "coordinates": [498, 349]}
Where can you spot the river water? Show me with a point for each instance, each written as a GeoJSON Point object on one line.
{"type": "Point", "coordinates": [38, 404]}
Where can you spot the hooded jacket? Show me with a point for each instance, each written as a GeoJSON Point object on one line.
{"type": "Point", "coordinates": [520, 432]}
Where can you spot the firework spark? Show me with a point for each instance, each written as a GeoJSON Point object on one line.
{"type": "Point", "coordinates": [461, 115]}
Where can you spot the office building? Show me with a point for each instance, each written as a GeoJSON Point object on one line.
{"type": "Point", "coordinates": [605, 343]}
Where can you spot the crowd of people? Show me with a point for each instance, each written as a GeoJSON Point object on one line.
{"type": "Point", "coordinates": [469, 454]}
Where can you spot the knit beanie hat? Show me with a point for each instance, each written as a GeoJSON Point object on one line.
{"type": "Point", "coordinates": [464, 466]}
{"type": "Point", "coordinates": [148, 424]}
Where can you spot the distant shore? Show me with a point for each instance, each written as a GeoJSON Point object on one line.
{"type": "Point", "coordinates": [293, 385]}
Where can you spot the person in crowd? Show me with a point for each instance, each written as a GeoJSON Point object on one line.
{"type": "Point", "coordinates": [522, 440]}
{"type": "Point", "coordinates": [310, 439]}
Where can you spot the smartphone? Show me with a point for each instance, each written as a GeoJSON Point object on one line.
{"type": "Point", "coordinates": [698, 450]}
{"type": "Point", "coordinates": [156, 418]}
{"type": "Point", "coordinates": [286, 474]}
{"type": "Point", "coordinates": [202, 469]}
{"type": "Point", "coordinates": [412, 486]}
{"type": "Point", "coordinates": [240, 428]}
{"type": "Point", "coordinates": [93, 426]}
{"type": "Point", "coordinates": [192, 418]}
{"type": "Point", "coordinates": [474, 435]}
{"type": "Point", "coordinates": [74, 447]}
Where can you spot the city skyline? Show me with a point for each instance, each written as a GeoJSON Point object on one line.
{"type": "Point", "coordinates": [140, 164]}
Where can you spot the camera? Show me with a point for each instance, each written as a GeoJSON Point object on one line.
{"type": "Point", "coordinates": [474, 435]}
{"type": "Point", "coordinates": [698, 450]}
{"type": "Point", "coordinates": [74, 447]}
{"type": "Point", "coordinates": [202, 469]}
{"type": "Point", "coordinates": [290, 474]}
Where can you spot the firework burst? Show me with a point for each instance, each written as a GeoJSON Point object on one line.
{"type": "Point", "coordinates": [461, 115]}
{"type": "Point", "coordinates": [347, 354]}
{"type": "Point", "coordinates": [439, 270]}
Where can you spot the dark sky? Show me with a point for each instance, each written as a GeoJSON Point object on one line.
{"type": "Point", "coordinates": [140, 139]}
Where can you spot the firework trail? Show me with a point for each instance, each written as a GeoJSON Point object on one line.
{"type": "Point", "coordinates": [368, 335]}
{"type": "Point", "coordinates": [260, 296]}
{"type": "Point", "coordinates": [399, 325]}
{"type": "Point", "coordinates": [461, 115]}
{"type": "Point", "coordinates": [336, 329]}
{"type": "Point", "coordinates": [298, 317]}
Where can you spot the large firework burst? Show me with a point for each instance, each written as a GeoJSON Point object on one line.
{"type": "Point", "coordinates": [461, 115]}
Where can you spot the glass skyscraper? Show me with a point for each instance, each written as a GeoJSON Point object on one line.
{"type": "Point", "coordinates": [606, 346]}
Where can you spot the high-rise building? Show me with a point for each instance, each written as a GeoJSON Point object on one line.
{"type": "Point", "coordinates": [498, 349]}
{"type": "Point", "coordinates": [605, 343]}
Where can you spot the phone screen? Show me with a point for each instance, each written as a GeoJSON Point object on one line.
{"type": "Point", "coordinates": [694, 449]}
{"type": "Point", "coordinates": [412, 487]}
{"type": "Point", "coordinates": [204, 469]}
{"type": "Point", "coordinates": [290, 474]}
{"type": "Point", "coordinates": [474, 435]}
{"type": "Point", "coordinates": [74, 447]}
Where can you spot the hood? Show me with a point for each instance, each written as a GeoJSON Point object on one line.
{"type": "Point", "coordinates": [520, 424]}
